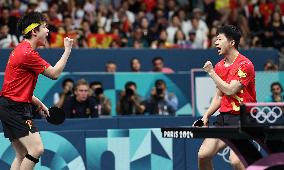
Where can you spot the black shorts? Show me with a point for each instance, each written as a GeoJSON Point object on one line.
{"type": "Point", "coordinates": [16, 118]}
{"type": "Point", "coordinates": [229, 119]}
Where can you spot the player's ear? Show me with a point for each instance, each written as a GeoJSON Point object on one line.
{"type": "Point", "coordinates": [232, 42]}
{"type": "Point", "coordinates": [34, 32]}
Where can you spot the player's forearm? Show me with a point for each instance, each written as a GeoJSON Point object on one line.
{"type": "Point", "coordinates": [36, 101]}
{"type": "Point", "coordinates": [214, 106]}
{"type": "Point", "coordinates": [59, 66]}
{"type": "Point", "coordinates": [222, 85]}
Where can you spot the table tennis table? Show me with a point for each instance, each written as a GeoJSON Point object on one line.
{"type": "Point", "coordinates": [241, 139]}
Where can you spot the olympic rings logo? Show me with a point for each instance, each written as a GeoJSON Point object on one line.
{"type": "Point", "coordinates": [266, 114]}
{"type": "Point", "coordinates": [225, 153]}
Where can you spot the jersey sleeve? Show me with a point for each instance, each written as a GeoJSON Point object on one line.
{"type": "Point", "coordinates": [34, 62]}
{"type": "Point", "coordinates": [245, 73]}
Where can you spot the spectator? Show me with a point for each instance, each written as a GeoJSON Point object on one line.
{"type": "Point", "coordinates": [270, 66]}
{"type": "Point", "coordinates": [18, 8]}
{"type": "Point", "coordinates": [137, 36]}
{"type": "Point", "coordinates": [162, 39]}
{"type": "Point", "coordinates": [180, 41]}
{"type": "Point", "coordinates": [171, 30]}
{"type": "Point", "coordinates": [256, 22]}
{"type": "Point", "coordinates": [55, 18]}
{"type": "Point", "coordinates": [110, 67]}
{"type": "Point", "coordinates": [185, 23]}
{"type": "Point", "coordinates": [276, 93]}
{"type": "Point", "coordinates": [148, 35]}
{"type": "Point", "coordinates": [212, 37]}
{"type": "Point", "coordinates": [171, 8]}
{"type": "Point", "coordinates": [202, 26]}
{"type": "Point", "coordinates": [59, 98]}
{"type": "Point", "coordinates": [80, 105]}
{"type": "Point", "coordinates": [6, 19]}
{"type": "Point", "coordinates": [7, 40]}
{"type": "Point", "coordinates": [130, 103]}
{"type": "Point", "coordinates": [161, 102]}
{"type": "Point", "coordinates": [158, 65]}
{"type": "Point", "coordinates": [201, 34]}
{"type": "Point", "coordinates": [159, 22]}
{"type": "Point", "coordinates": [274, 33]}
{"type": "Point", "coordinates": [102, 103]}
{"type": "Point", "coordinates": [135, 65]}
{"type": "Point", "coordinates": [42, 6]}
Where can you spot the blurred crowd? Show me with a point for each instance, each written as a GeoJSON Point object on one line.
{"type": "Point", "coordinates": [188, 24]}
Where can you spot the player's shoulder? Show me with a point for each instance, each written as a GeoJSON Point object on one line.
{"type": "Point", "coordinates": [243, 60]}
{"type": "Point", "coordinates": [23, 48]}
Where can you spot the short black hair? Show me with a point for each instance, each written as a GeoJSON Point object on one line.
{"type": "Point", "coordinates": [28, 19]}
{"type": "Point", "coordinates": [67, 80]}
{"type": "Point", "coordinates": [129, 83]}
{"type": "Point", "coordinates": [276, 84]}
{"type": "Point", "coordinates": [231, 32]}
{"type": "Point", "coordinates": [160, 82]}
{"type": "Point", "coordinates": [157, 58]}
{"type": "Point", "coordinates": [96, 83]}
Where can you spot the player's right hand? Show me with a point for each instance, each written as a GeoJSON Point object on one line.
{"type": "Point", "coordinates": [205, 120]}
{"type": "Point", "coordinates": [68, 42]}
{"type": "Point", "coordinates": [208, 67]}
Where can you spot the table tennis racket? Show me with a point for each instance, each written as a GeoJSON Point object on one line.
{"type": "Point", "coordinates": [57, 116]}
{"type": "Point", "coordinates": [198, 123]}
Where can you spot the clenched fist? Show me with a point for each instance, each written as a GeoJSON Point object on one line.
{"type": "Point", "coordinates": [208, 67]}
{"type": "Point", "coordinates": [68, 42]}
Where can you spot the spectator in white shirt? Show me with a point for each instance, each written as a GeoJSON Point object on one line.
{"type": "Point", "coordinates": [7, 40]}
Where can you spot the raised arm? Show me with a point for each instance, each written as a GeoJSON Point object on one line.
{"type": "Point", "coordinates": [54, 72]}
{"type": "Point", "coordinates": [227, 88]}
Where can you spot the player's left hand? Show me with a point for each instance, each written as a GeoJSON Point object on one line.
{"type": "Point", "coordinates": [208, 67]}
{"type": "Point", "coordinates": [43, 110]}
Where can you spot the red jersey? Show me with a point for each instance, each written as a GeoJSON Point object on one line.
{"type": "Point", "coordinates": [242, 70]}
{"type": "Point", "coordinates": [21, 74]}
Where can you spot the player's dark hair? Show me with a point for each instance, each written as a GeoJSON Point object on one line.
{"type": "Point", "coordinates": [28, 19]}
{"type": "Point", "coordinates": [231, 32]}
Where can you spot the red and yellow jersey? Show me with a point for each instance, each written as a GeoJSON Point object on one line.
{"type": "Point", "coordinates": [21, 74]}
{"type": "Point", "coordinates": [241, 70]}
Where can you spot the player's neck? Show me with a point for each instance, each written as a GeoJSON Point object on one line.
{"type": "Point", "coordinates": [32, 43]}
{"type": "Point", "coordinates": [231, 57]}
